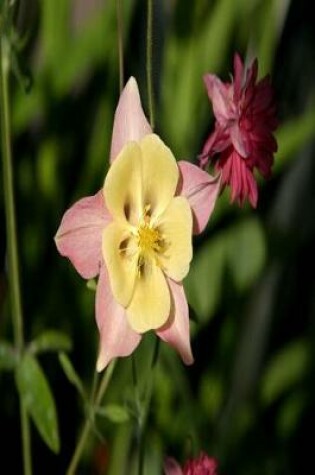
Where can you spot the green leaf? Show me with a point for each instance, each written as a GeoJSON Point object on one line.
{"type": "Point", "coordinates": [114, 412]}
{"type": "Point", "coordinates": [8, 356]}
{"type": "Point", "coordinates": [187, 58]}
{"type": "Point", "coordinates": [50, 340]}
{"type": "Point", "coordinates": [211, 395]}
{"type": "Point", "coordinates": [285, 370]}
{"type": "Point", "coordinates": [47, 173]}
{"type": "Point", "coordinates": [203, 283]}
{"type": "Point", "coordinates": [246, 252]}
{"type": "Point", "coordinates": [293, 135]}
{"type": "Point", "coordinates": [290, 412]}
{"type": "Point", "coordinates": [55, 31]}
{"type": "Point", "coordinates": [71, 374]}
{"type": "Point", "coordinates": [271, 17]}
{"type": "Point", "coordinates": [37, 397]}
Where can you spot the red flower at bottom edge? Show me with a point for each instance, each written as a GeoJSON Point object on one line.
{"type": "Point", "coordinates": [202, 465]}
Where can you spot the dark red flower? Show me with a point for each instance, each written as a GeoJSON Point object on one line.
{"type": "Point", "coordinates": [243, 137]}
{"type": "Point", "coordinates": [202, 465]}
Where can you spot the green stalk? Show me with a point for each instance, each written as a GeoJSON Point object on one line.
{"type": "Point", "coordinates": [26, 439]}
{"type": "Point", "coordinates": [149, 60]}
{"type": "Point", "coordinates": [120, 43]}
{"type": "Point", "coordinates": [13, 262]}
{"type": "Point", "coordinates": [142, 423]}
{"type": "Point", "coordinates": [87, 426]}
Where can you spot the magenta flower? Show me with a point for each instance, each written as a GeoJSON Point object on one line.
{"type": "Point", "coordinates": [242, 140]}
{"type": "Point", "coordinates": [135, 234]}
{"type": "Point", "coordinates": [202, 465]}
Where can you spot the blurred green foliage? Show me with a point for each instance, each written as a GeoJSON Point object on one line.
{"type": "Point", "coordinates": [249, 399]}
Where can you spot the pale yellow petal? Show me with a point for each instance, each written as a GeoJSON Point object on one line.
{"type": "Point", "coordinates": [175, 226]}
{"type": "Point", "coordinates": [120, 255]}
{"type": "Point", "coordinates": [123, 185]}
{"type": "Point", "coordinates": [150, 305]}
{"type": "Point", "coordinates": [160, 174]}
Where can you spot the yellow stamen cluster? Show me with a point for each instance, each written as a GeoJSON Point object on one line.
{"type": "Point", "coordinates": [149, 240]}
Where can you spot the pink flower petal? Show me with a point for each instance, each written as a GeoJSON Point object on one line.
{"type": "Point", "coordinates": [130, 123]}
{"type": "Point", "coordinates": [218, 93]}
{"type": "Point", "coordinates": [251, 76]}
{"type": "Point", "coordinates": [79, 236]}
{"type": "Point", "coordinates": [216, 142]}
{"type": "Point", "coordinates": [116, 336]}
{"type": "Point", "coordinates": [171, 467]}
{"type": "Point", "coordinates": [253, 190]}
{"type": "Point", "coordinates": [201, 190]}
{"type": "Point", "coordinates": [238, 76]}
{"type": "Point", "coordinates": [239, 141]}
{"type": "Point", "coordinates": [176, 331]}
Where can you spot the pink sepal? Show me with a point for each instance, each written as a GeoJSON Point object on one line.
{"type": "Point", "coordinates": [176, 331]}
{"type": "Point", "coordinates": [201, 190]}
{"type": "Point", "coordinates": [171, 467]}
{"type": "Point", "coordinates": [219, 94]}
{"type": "Point", "coordinates": [116, 336]}
{"type": "Point", "coordinates": [130, 123]}
{"type": "Point", "coordinates": [79, 236]}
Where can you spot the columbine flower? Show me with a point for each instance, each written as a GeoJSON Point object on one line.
{"type": "Point", "coordinates": [136, 235]}
{"type": "Point", "coordinates": [245, 119]}
{"type": "Point", "coordinates": [202, 465]}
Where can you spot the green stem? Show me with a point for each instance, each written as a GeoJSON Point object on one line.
{"type": "Point", "coordinates": [120, 43]}
{"type": "Point", "coordinates": [145, 411]}
{"type": "Point", "coordinates": [26, 440]}
{"type": "Point", "coordinates": [87, 426]}
{"type": "Point", "coordinates": [13, 262]}
{"type": "Point", "coordinates": [149, 60]}
{"type": "Point", "coordinates": [104, 383]}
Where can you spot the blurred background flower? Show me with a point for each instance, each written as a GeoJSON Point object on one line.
{"type": "Point", "coordinates": [201, 465]}
{"type": "Point", "coordinates": [242, 140]}
{"type": "Point", "coordinates": [249, 399]}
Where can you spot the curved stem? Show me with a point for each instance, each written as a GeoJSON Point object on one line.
{"type": "Point", "coordinates": [87, 426]}
{"type": "Point", "coordinates": [149, 60]}
{"type": "Point", "coordinates": [12, 252]}
{"type": "Point", "coordinates": [120, 43]}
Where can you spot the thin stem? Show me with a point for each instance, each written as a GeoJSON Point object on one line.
{"type": "Point", "coordinates": [12, 252]}
{"type": "Point", "coordinates": [146, 407]}
{"type": "Point", "coordinates": [104, 383]}
{"type": "Point", "coordinates": [87, 426]}
{"type": "Point", "coordinates": [149, 60]}
{"type": "Point", "coordinates": [13, 261]}
{"type": "Point", "coordinates": [79, 448]}
{"type": "Point", "coordinates": [26, 440]}
{"type": "Point", "coordinates": [120, 43]}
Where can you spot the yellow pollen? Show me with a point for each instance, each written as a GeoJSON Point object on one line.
{"type": "Point", "coordinates": [149, 239]}
{"type": "Point", "coordinates": [150, 242]}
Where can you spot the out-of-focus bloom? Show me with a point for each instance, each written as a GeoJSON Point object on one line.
{"type": "Point", "coordinates": [202, 465]}
{"type": "Point", "coordinates": [243, 137]}
{"type": "Point", "coordinates": [136, 233]}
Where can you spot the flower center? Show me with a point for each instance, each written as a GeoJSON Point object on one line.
{"type": "Point", "coordinates": [150, 242]}
{"type": "Point", "coordinates": [149, 238]}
